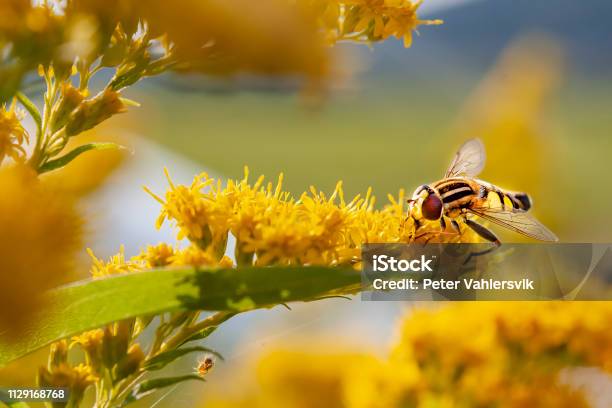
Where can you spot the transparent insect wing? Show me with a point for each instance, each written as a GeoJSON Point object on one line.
{"type": "Point", "coordinates": [516, 220]}
{"type": "Point", "coordinates": [469, 160]}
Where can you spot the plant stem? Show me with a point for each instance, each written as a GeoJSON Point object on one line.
{"type": "Point", "coordinates": [38, 156]}
{"type": "Point", "coordinates": [187, 331]}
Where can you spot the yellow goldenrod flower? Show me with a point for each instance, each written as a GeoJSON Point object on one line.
{"type": "Point", "coordinates": [91, 343]}
{"type": "Point", "coordinates": [271, 227]}
{"type": "Point", "coordinates": [196, 212]}
{"type": "Point", "coordinates": [116, 264]}
{"type": "Point", "coordinates": [155, 256]}
{"type": "Point", "coordinates": [40, 234]}
{"type": "Point", "coordinates": [12, 134]}
{"type": "Point", "coordinates": [380, 19]}
{"type": "Point", "coordinates": [196, 256]}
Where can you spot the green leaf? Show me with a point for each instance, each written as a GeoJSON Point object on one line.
{"type": "Point", "coordinates": [202, 334]}
{"type": "Point", "coordinates": [157, 383]}
{"type": "Point", "coordinates": [31, 108]}
{"type": "Point", "coordinates": [207, 331]}
{"type": "Point", "coordinates": [150, 386]}
{"type": "Point", "coordinates": [73, 154]}
{"type": "Point", "coordinates": [93, 303]}
{"type": "Point", "coordinates": [161, 360]}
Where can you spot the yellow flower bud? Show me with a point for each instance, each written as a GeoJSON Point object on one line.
{"type": "Point", "coordinates": [70, 100]}
{"type": "Point", "coordinates": [94, 111]}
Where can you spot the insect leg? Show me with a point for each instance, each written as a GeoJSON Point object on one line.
{"type": "Point", "coordinates": [417, 223]}
{"type": "Point", "coordinates": [455, 225]}
{"type": "Point", "coordinates": [484, 233]}
{"type": "Point", "coordinates": [442, 223]}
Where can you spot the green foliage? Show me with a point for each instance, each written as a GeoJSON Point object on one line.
{"type": "Point", "coordinates": [161, 360]}
{"type": "Point", "coordinates": [31, 108]}
{"type": "Point", "coordinates": [73, 154]}
{"type": "Point", "coordinates": [94, 303]}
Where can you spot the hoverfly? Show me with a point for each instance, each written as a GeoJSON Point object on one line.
{"type": "Point", "coordinates": [459, 196]}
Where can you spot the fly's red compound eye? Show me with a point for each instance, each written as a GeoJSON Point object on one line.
{"type": "Point", "coordinates": [432, 207]}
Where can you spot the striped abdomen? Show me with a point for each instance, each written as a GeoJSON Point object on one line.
{"type": "Point", "coordinates": [456, 193]}
{"type": "Point", "coordinates": [520, 200]}
{"type": "Point", "coordinates": [459, 193]}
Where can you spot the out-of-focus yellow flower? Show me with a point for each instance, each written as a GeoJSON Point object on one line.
{"type": "Point", "coordinates": [75, 378]}
{"type": "Point", "coordinates": [285, 375]}
{"type": "Point", "coordinates": [517, 120]}
{"type": "Point", "coordinates": [300, 379]}
{"type": "Point", "coordinates": [522, 84]}
{"type": "Point", "coordinates": [469, 355]}
{"type": "Point", "coordinates": [508, 353]}
{"type": "Point", "coordinates": [220, 37]}
{"type": "Point", "coordinates": [269, 36]}
{"type": "Point", "coordinates": [40, 233]}
{"type": "Point", "coordinates": [12, 134]}
{"type": "Point", "coordinates": [12, 12]}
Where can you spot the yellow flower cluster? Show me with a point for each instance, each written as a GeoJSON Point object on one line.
{"type": "Point", "coordinates": [371, 20]}
{"type": "Point", "coordinates": [218, 37]}
{"type": "Point", "coordinates": [114, 351]}
{"type": "Point", "coordinates": [273, 228]}
{"type": "Point", "coordinates": [156, 256]}
{"type": "Point", "coordinates": [12, 134]}
{"type": "Point", "coordinates": [510, 352]}
{"type": "Point", "coordinates": [465, 355]}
